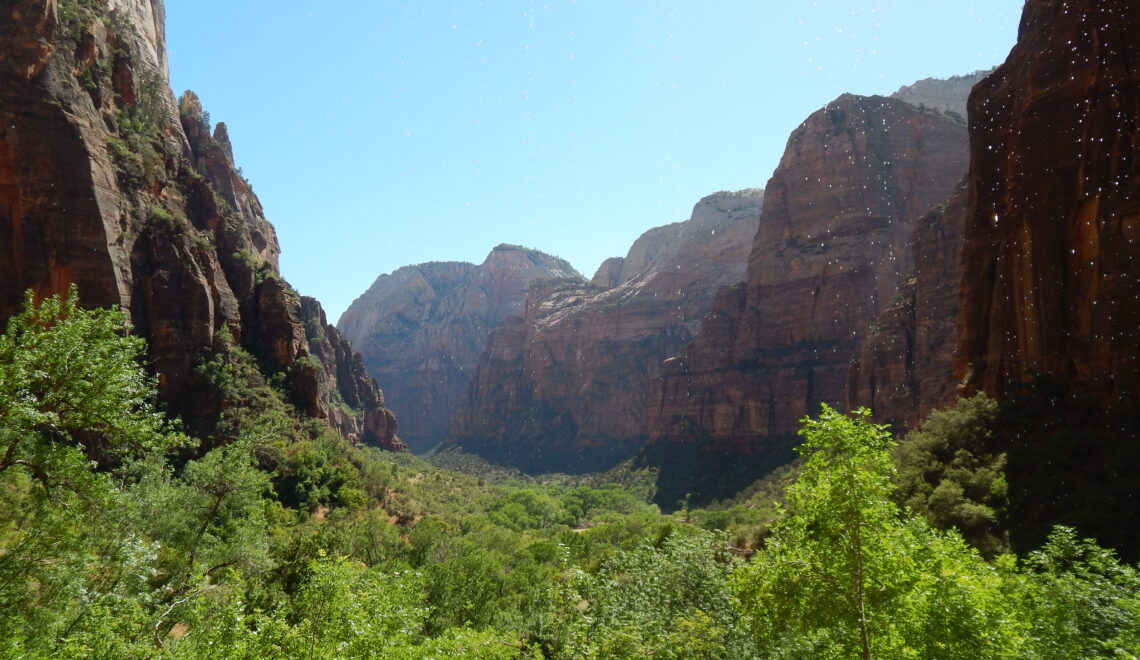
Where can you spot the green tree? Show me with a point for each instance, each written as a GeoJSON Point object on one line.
{"type": "Point", "coordinates": [74, 574]}
{"type": "Point", "coordinates": [72, 390]}
{"type": "Point", "coordinates": [1082, 602]}
{"type": "Point", "coordinates": [952, 471]}
{"type": "Point", "coordinates": [670, 601]}
{"type": "Point", "coordinates": [849, 574]}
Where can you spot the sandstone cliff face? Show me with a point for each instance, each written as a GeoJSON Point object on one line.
{"type": "Point", "coordinates": [108, 184]}
{"type": "Point", "coordinates": [421, 329]}
{"type": "Point", "coordinates": [831, 252]}
{"type": "Point", "coordinates": [349, 398]}
{"type": "Point", "coordinates": [564, 386]}
{"type": "Point", "coordinates": [906, 364]}
{"type": "Point", "coordinates": [945, 95]}
{"type": "Point", "coordinates": [1052, 235]}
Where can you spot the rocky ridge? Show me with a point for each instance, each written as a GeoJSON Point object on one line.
{"type": "Point", "coordinates": [947, 95]}
{"type": "Point", "coordinates": [109, 184]}
{"type": "Point", "coordinates": [564, 385]}
{"type": "Point", "coordinates": [421, 329]}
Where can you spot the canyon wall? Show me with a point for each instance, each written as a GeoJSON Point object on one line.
{"type": "Point", "coordinates": [421, 329]}
{"type": "Point", "coordinates": [564, 386]}
{"type": "Point", "coordinates": [1052, 233]}
{"type": "Point", "coordinates": [905, 366]}
{"type": "Point", "coordinates": [832, 251]}
{"type": "Point", "coordinates": [107, 183]}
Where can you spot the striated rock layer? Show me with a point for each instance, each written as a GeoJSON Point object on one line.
{"type": "Point", "coordinates": [905, 367]}
{"type": "Point", "coordinates": [831, 252]}
{"type": "Point", "coordinates": [421, 329]}
{"type": "Point", "coordinates": [1052, 234]}
{"type": "Point", "coordinates": [108, 184]}
{"type": "Point", "coordinates": [563, 387]}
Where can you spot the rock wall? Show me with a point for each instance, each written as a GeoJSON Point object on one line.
{"type": "Point", "coordinates": [564, 386]}
{"type": "Point", "coordinates": [1052, 235]}
{"type": "Point", "coordinates": [349, 398]}
{"type": "Point", "coordinates": [832, 250]}
{"type": "Point", "coordinates": [905, 367]}
{"type": "Point", "coordinates": [421, 329]}
{"type": "Point", "coordinates": [947, 95]}
{"type": "Point", "coordinates": [108, 184]}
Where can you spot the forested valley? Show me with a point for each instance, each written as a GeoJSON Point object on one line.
{"type": "Point", "coordinates": [284, 541]}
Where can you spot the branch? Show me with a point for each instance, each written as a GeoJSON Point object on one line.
{"type": "Point", "coordinates": [158, 624]}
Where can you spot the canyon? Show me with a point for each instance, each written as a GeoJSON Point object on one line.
{"type": "Point", "coordinates": [564, 385]}
{"type": "Point", "coordinates": [897, 259]}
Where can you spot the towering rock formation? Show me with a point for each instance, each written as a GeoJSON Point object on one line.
{"type": "Point", "coordinates": [1029, 275]}
{"type": "Point", "coordinates": [831, 252]}
{"type": "Point", "coordinates": [421, 329]}
{"type": "Point", "coordinates": [1052, 235]}
{"type": "Point", "coordinates": [563, 386]}
{"type": "Point", "coordinates": [108, 184]}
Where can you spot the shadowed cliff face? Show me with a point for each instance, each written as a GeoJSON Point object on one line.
{"type": "Point", "coordinates": [1052, 236]}
{"type": "Point", "coordinates": [563, 387]}
{"type": "Point", "coordinates": [905, 367]}
{"type": "Point", "coordinates": [831, 252]}
{"type": "Point", "coordinates": [108, 184]}
{"type": "Point", "coordinates": [421, 329]}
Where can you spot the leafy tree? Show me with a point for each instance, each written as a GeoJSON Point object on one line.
{"type": "Point", "coordinates": [72, 390]}
{"type": "Point", "coordinates": [74, 573]}
{"type": "Point", "coordinates": [670, 601]}
{"type": "Point", "coordinates": [1082, 602]}
{"type": "Point", "coordinates": [847, 573]}
{"type": "Point", "coordinates": [952, 471]}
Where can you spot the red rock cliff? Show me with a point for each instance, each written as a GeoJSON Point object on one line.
{"type": "Point", "coordinates": [1052, 237]}
{"type": "Point", "coordinates": [906, 363]}
{"type": "Point", "coordinates": [108, 184]}
{"type": "Point", "coordinates": [564, 386]}
{"type": "Point", "coordinates": [421, 329]}
{"type": "Point", "coordinates": [832, 250]}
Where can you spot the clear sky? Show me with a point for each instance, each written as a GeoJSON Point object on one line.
{"type": "Point", "coordinates": [380, 134]}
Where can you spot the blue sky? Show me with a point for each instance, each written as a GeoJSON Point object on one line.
{"type": "Point", "coordinates": [380, 134]}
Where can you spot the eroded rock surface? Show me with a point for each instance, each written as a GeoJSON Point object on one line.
{"type": "Point", "coordinates": [905, 367]}
{"type": "Point", "coordinates": [832, 250]}
{"type": "Point", "coordinates": [108, 184]}
{"type": "Point", "coordinates": [563, 387]}
{"type": "Point", "coordinates": [421, 329]}
{"type": "Point", "coordinates": [1052, 235]}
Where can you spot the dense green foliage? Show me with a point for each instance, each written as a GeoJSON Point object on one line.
{"type": "Point", "coordinates": [272, 538]}
{"type": "Point", "coordinates": [952, 470]}
{"type": "Point", "coordinates": [847, 574]}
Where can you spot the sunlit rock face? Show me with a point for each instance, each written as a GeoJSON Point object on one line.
{"type": "Point", "coordinates": [941, 94]}
{"type": "Point", "coordinates": [421, 329]}
{"type": "Point", "coordinates": [108, 184]}
{"type": "Point", "coordinates": [1053, 222]}
{"type": "Point", "coordinates": [564, 386]}
{"type": "Point", "coordinates": [832, 251]}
